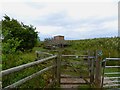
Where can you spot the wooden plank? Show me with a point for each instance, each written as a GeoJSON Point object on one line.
{"type": "Point", "coordinates": [114, 81]}
{"type": "Point", "coordinates": [77, 71]}
{"type": "Point", "coordinates": [113, 73]}
{"type": "Point", "coordinates": [112, 66]}
{"type": "Point", "coordinates": [18, 68]}
{"type": "Point", "coordinates": [112, 85]}
{"type": "Point", "coordinates": [29, 77]}
{"type": "Point", "coordinates": [74, 55]}
{"type": "Point", "coordinates": [78, 63]}
{"type": "Point", "coordinates": [73, 67]}
{"type": "Point", "coordinates": [86, 81]}
{"type": "Point", "coordinates": [39, 52]}
{"type": "Point", "coordinates": [68, 55]}
{"type": "Point", "coordinates": [111, 77]}
{"type": "Point", "coordinates": [91, 57]}
{"type": "Point", "coordinates": [72, 83]}
{"type": "Point", "coordinates": [75, 77]}
{"type": "Point", "coordinates": [113, 59]}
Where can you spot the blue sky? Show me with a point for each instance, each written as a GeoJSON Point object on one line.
{"type": "Point", "coordinates": [74, 19]}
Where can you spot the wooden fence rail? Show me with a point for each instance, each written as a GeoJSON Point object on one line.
{"type": "Point", "coordinates": [29, 77]}
{"type": "Point", "coordinates": [21, 67]}
{"type": "Point", "coordinates": [74, 55]}
{"type": "Point", "coordinates": [112, 59]}
{"type": "Point", "coordinates": [39, 52]}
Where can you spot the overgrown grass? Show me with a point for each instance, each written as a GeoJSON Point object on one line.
{"type": "Point", "coordinates": [39, 49]}
{"type": "Point", "coordinates": [13, 60]}
{"type": "Point", "coordinates": [109, 46]}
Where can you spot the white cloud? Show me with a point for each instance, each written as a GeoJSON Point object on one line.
{"type": "Point", "coordinates": [48, 29]}
{"type": "Point", "coordinates": [111, 24]}
{"type": "Point", "coordinates": [19, 9]}
{"type": "Point", "coordinates": [60, 0]}
{"type": "Point", "coordinates": [75, 11]}
{"type": "Point", "coordinates": [88, 10]}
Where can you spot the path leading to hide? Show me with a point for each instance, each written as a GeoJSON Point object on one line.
{"type": "Point", "coordinates": [71, 82]}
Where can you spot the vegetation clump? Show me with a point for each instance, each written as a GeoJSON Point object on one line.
{"type": "Point", "coordinates": [17, 36]}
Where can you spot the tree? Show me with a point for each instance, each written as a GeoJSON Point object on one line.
{"type": "Point", "coordinates": [23, 36]}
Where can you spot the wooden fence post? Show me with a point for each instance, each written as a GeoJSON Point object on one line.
{"type": "Point", "coordinates": [91, 67]}
{"type": "Point", "coordinates": [88, 60]}
{"type": "Point", "coordinates": [56, 70]}
{"type": "Point", "coordinates": [92, 71]}
{"type": "Point", "coordinates": [54, 77]}
{"type": "Point", "coordinates": [37, 55]}
{"type": "Point", "coordinates": [58, 63]}
{"type": "Point", "coordinates": [98, 71]}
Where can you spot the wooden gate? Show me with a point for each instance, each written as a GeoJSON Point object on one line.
{"type": "Point", "coordinates": [78, 70]}
{"type": "Point", "coordinates": [111, 73]}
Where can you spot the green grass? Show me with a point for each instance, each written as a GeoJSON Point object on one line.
{"type": "Point", "coordinates": [80, 69]}
{"type": "Point", "coordinates": [39, 49]}
{"type": "Point", "coordinates": [13, 60]}
{"type": "Point", "coordinates": [109, 46]}
{"type": "Point", "coordinates": [84, 87]}
{"type": "Point", "coordinates": [112, 70]}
